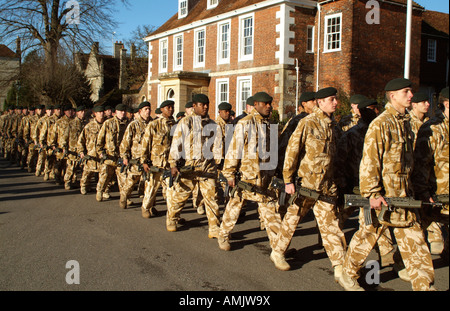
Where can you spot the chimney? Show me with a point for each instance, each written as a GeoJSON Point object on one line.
{"type": "Point", "coordinates": [118, 46]}
{"type": "Point", "coordinates": [18, 49]}
{"type": "Point", "coordinates": [133, 52]}
{"type": "Point", "coordinates": [95, 48]}
{"type": "Point", "coordinates": [123, 70]}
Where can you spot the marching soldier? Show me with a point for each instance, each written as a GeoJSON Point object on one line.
{"type": "Point", "coordinates": [71, 135]}
{"type": "Point", "coordinates": [192, 135]}
{"type": "Point", "coordinates": [108, 142]}
{"type": "Point", "coordinates": [131, 150]}
{"type": "Point", "coordinates": [87, 148]}
{"type": "Point", "coordinates": [385, 171]}
{"type": "Point", "coordinates": [42, 146]}
{"type": "Point", "coordinates": [430, 175]}
{"type": "Point", "coordinates": [24, 135]}
{"type": "Point", "coordinates": [60, 143]}
{"type": "Point", "coordinates": [225, 123]}
{"type": "Point", "coordinates": [310, 153]}
{"type": "Point", "coordinates": [155, 155]}
{"type": "Point", "coordinates": [29, 128]}
{"type": "Point", "coordinates": [247, 158]}
{"type": "Point", "coordinates": [45, 137]}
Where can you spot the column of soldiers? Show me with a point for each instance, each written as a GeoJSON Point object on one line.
{"type": "Point", "coordinates": [399, 153]}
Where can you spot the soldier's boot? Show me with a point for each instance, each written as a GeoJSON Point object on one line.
{"type": "Point", "coordinates": [279, 261]}
{"type": "Point", "coordinates": [38, 173]}
{"type": "Point", "coordinates": [99, 196]}
{"type": "Point", "coordinates": [123, 202]}
{"type": "Point", "coordinates": [145, 213]}
{"type": "Point", "coordinates": [436, 248]}
{"type": "Point", "coordinates": [45, 176]}
{"type": "Point", "coordinates": [106, 195]}
{"type": "Point", "coordinates": [349, 284]}
{"type": "Point", "coordinates": [401, 271]}
{"type": "Point", "coordinates": [201, 209]}
{"type": "Point", "coordinates": [67, 185]}
{"type": "Point", "coordinates": [337, 273]}
{"type": "Point", "coordinates": [171, 226]}
{"type": "Point", "coordinates": [83, 190]}
{"type": "Point", "coordinates": [224, 244]}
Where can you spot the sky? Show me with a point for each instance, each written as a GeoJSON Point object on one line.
{"type": "Point", "coordinates": [156, 12]}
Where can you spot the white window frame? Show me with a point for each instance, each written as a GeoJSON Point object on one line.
{"type": "Point", "coordinates": [182, 14]}
{"type": "Point", "coordinates": [212, 4]}
{"type": "Point", "coordinates": [220, 50]}
{"type": "Point", "coordinates": [176, 66]}
{"type": "Point", "coordinates": [198, 64]}
{"type": "Point", "coordinates": [310, 38]}
{"type": "Point", "coordinates": [240, 101]}
{"type": "Point", "coordinates": [327, 35]}
{"type": "Point", "coordinates": [162, 68]}
{"type": "Point", "coordinates": [219, 98]}
{"type": "Point", "coordinates": [432, 50]}
{"type": "Point", "coordinates": [242, 19]}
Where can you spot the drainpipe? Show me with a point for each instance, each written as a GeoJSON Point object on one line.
{"type": "Point", "coordinates": [318, 46]}
{"type": "Point", "coordinates": [408, 39]}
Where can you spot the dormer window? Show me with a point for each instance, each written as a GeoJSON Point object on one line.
{"type": "Point", "coordinates": [212, 4]}
{"type": "Point", "coordinates": [182, 8]}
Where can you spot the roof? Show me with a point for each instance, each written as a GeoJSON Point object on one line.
{"type": "Point", "coordinates": [435, 23]}
{"type": "Point", "coordinates": [199, 11]}
{"type": "Point", "coordinates": [6, 52]}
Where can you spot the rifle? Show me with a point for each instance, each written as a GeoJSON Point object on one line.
{"type": "Point", "coordinates": [393, 203]}
{"type": "Point", "coordinates": [278, 184]}
{"type": "Point", "coordinates": [438, 211]}
{"type": "Point", "coordinates": [312, 194]}
{"type": "Point", "coordinates": [84, 159]}
{"type": "Point", "coordinates": [226, 192]}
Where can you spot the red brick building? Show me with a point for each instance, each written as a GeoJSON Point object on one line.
{"type": "Point", "coordinates": [231, 49]}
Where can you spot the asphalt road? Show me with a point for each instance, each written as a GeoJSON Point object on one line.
{"type": "Point", "coordinates": [43, 227]}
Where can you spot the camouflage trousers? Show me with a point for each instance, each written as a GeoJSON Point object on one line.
{"type": "Point", "coordinates": [40, 164]}
{"type": "Point", "coordinates": [434, 231]}
{"type": "Point", "coordinates": [50, 162]}
{"type": "Point", "coordinates": [267, 209]}
{"type": "Point", "coordinates": [106, 175]}
{"type": "Point", "coordinates": [333, 238]}
{"type": "Point", "coordinates": [411, 244]}
{"type": "Point", "coordinates": [131, 179]}
{"type": "Point", "coordinates": [86, 177]}
{"type": "Point", "coordinates": [32, 156]}
{"type": "Point", "coordinates": [151, 188]}
{"type": "Point", "coordinates": [71, 171]}
{"type": "Point", "coordinates": [181, 192]}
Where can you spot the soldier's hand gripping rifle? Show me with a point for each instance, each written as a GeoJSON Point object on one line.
{"type": "Point", "coordinates": [124, 167]}
{"type": "Point", "coordinates": [278, 184]}
{"type": "Point", "coordinates": [312, 194]}
{"type": "Point", "coordinates": [393, 203]}
{"type": "Point", "coordinates": [84, 160]}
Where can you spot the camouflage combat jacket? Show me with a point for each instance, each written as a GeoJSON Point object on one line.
{"type": "Point", "coordinates": [156, 142]}
{"type": "Point", "coordinates": [416, 123]}
{"type": "Point", "coordinates": [131, 147]}
{"type": "Point", "coordinates": [349, 121]}
{"type": "Point", "coordinates": [110, 137]}
{"type": "Point", "coordinates": [244, 153]}
{"type": "Point", "coordinates": [60, 139]}
{"type": "Point", "coordinates": [199, 142]}
{"type": "Point", "coordinates": [310, 152]}
{"type": "Point", "coordinates": [431, 171]}
{"type": "Point", "coordinates": [71, 135]}
{"type": "Point", "coordinates": [87, 143]}
{"type": "Point", "coordinates": [47, 132]}
{"type": "Point", "coordinates": [388, 156]}
{"type": "Point", "coordinates": [28, 128]}
{"type": "Point", "coordinates": [36, 134]}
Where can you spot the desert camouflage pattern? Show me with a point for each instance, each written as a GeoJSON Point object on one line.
{"type": "Point", "coordinates": [28, 130]}
{"type": "Point", "coordinates": [198, 141]}
{"type": "Point", "coordinates": [156, 145]}
{"type": "Point", "coordinates": [386, 169]}
{"type": "Point", "coordinates": [131, 149]}
{"type": "Point", "coordinates": [87, 144]}
{"type": "Point", "coordinates": [60, 138]}
{"type": "Point", "coordinates": [349, 121]}
{"type": "Point", "coordinates": [71, 136]}
{"type": "Point", "coordinates": [46, 137]}
{"type": "Point", "coordinates": [416, 123]}
{"type": "Point", "coordinates": [35, 135]}
{"type": "Point", "coordinates": [244, 156]}
{"type": "Point", "coordinates": [311, 148]}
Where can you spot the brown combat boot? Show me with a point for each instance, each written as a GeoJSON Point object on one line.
{"type": "Point", "coordinates": [99, 196]}
{"type": "Point", "coordinates": [145, 213]}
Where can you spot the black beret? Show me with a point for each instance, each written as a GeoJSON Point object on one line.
{"type": "Point", "coordinates": [225, 106]}
{"type": "Point", "coordinates": [188, 105]}
{"type": "Point", "coordinates": [167, 103]}
{"type": "Point", "coordinates": [358, 99]}
{"type": "Point", "coordinates": [158, 111]}
{"type": "Point", "coordinates": [307, 96]}
{"type": "Point", "coordinates": [31, 108]}
{"type": "Point", "coordinates": [144, 104]}
{"type": "Point", "coordinates": [81, 108]}
{"type": "Point", "coordinates": [57, 107]}
{"type": "Point", "coordinates": [40, 107]}
{"type": "Point", "coordinates": [108, 107]}
{"type": "Point", "coordinates": [19, 107]}
{"type": "Point", "coordinates": [262, 97]}
{"type": "Point", "coordinates": [67, 107]}
{"type": "Point", "coordinates": [200, 98]}
{"type": "Point", "coordinates": [98, 108]}
{"type": "Point", "coordinates": [180, 114]}
{"type": "Point", "coordinates": [121, 107]}
{"type": "Point", "coordinates": [250, 101]}
{"type": "Point", "coordinates": [419, 97]}
{"type": "Point", "coordinates": [397, 84]}
{"type": "Point", "coordinates": [366, 103]}
{"type": "Point", "coordinates": [49, 107]}
{"type": "Point", "coordinates": [326, 92]}
{"type": "Point", "coordinates": [135, 110]}
{"type": "Point", "coordinates": [444, 92]}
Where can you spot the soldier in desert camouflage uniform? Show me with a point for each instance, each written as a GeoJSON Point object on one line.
{"type": "Point", "coordinates": [431, 172]}
{"type": "Point", "coordinates": [28, 130]}
{"type": "Point", "coordinates": [310, 152]}
{"type": "Point", "coordinates": [71, 135]}
{"type": "Point", "coordinates": [225, 123]}
{"type": "Point", "coordinates": [60, 142]}
{"type": "Point", "coordinates": [248, 157]}
{"type": "Point", "coordinates": [385, 171]}
{"type": "Point", "coordinates": [46, 137]}
{"type": "Point", "coordinates": [42, 146]}
{"type": "Point", "coordinates": [87, 148]}
{"type": "Point", "coordinates": [155, 153]}
{"type": "Point", "coordinates": [24, 135]}
{"type": "Point", "coordinates": [131, 150]}
{"type": "Point", "coordinates": [191, 136]}
{"type": "Point", "coordinates": [108, 143]}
